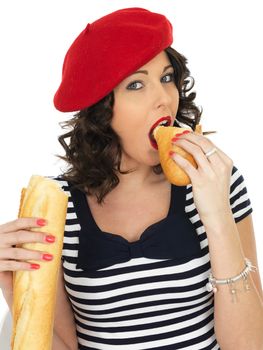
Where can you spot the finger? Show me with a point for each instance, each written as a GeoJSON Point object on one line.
{"type": "Point", "coordinates": [206, 146]}
{"type": "Point", "coordinates": [190, 170]}
{"type": "Point", "coordinates": [225, 158]}
{"type": "Point", "coordinates": [22, 224]}
{"type": "Point", "coordinates": [23, 236]}
{"type": "Point", "coordinates": [218, 160]}
{"type": "Point", "coordinates": [24, 254]}
{"type": "Point", "coordinates": [197, 152]}
{"type": "Point", "coordinates": [12, 265]}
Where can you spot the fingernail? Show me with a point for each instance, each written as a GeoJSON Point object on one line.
{"type": "Point", "coordinates": [41, 222]}
{"type": "Point", "coordinates": [34, 266]}
{"type": "Point", "coordinates": [47, 257]}
{"type": "Point", "coordinates": [50, 239]}
{"type": "Point", "coordinates": [174, 139]}
{"type": "Point", "coordinates": [171, 153]}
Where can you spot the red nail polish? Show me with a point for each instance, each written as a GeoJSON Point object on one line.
{"type": "Point", "coordinates": [171, 153]}
{"type": "Point", "coordinates": [174, 139]}
{"type": "Point", "coordinates": [41, 222]}
{"type": "Point", "coordinates": [47, 257]}
{"type": "Point", "coordinates": [34, 266]}
{"type": "Point", "coordinates": [50, 239]}
{"type": "Point", "coordinates": [186, 132]}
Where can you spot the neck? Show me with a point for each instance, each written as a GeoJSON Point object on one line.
{"type": "Point", "coordinates": [141, 178]}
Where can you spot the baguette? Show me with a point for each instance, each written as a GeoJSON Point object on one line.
{"type": "Point", "coordinates": [173, 172]}
{"type": "Point", "coordinates": [35, 291]}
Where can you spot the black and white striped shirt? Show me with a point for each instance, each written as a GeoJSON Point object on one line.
{"type": "Point", "coordinates": [137, 302]}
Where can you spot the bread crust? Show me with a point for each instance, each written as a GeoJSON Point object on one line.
{"type": "Point", "coordinates": [173, 172]}
{"type": "Point", "coordinates": [35, 291]}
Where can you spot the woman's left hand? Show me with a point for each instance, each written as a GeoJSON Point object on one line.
{"type": "Point", "coordinates": [211, 180]}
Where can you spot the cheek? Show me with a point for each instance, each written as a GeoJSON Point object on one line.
{"type": "Point", "coordinates": [126, 118]}
{"type": "Point", "coordinates": [117, 121]}
{"type": "Point", "coordinates": [176, 99]}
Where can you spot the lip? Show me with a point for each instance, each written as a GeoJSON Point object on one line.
{"type": "Point", "coordinates": [152, 141]}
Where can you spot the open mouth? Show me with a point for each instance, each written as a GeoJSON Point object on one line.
{"type": "Point", "coordinates": [164, 121]}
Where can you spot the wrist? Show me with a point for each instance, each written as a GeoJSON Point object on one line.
{"type": "Point", "coordinates": [219, 223]}
{"type": "Point", "coordinates": [213, 282]}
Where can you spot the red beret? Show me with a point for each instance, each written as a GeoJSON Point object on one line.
{"type": "Point", "coordinates": [106, 52]}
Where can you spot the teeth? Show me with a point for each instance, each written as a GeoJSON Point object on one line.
{"type": "Point", "coordinates": [164, 122]}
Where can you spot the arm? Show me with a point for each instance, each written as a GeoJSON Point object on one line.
{"type": "Point", "coordinates": [8, 296]}
{"type": "Point", "coordinates": [14, 259]}
{"type": "Point", "coordinates": [58, 343]}
{"type": "Point", "coordinates": [65, 337]}
{"type": "Point", "coordinates": [237, 325]}
{"type": "Point", "coordinates": [248, 243]}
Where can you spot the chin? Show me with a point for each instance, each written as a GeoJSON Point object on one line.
{"type": "Point", "coordinates": [154, 157]}
{"type": "Point", "coordinates": [154, 163]}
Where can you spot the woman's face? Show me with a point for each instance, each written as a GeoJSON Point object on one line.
{"type": "Point", "coordinates": [140, 101]}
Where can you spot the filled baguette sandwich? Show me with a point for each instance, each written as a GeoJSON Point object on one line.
{"type": "Point", "coordinates": [173, 172]}
{"type": "Point", "coordinates": [35, 292]}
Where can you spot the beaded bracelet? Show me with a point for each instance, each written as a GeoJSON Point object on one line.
{"type": "Point", "coordinates": [211, 285]}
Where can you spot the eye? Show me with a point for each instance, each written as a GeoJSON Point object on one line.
{"type": "Point", "coordinates": [169, 77]}
{"type": "Point", "coordinates": [132, 86]}
{"type": "Point", "coordinates": [135, 85]}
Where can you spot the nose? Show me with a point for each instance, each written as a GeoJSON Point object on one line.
{"type": "Point", "coordinates": [162, 96]}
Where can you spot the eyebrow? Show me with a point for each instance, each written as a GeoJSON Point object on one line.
{"type": "Point", "coordinates": [146, 72]}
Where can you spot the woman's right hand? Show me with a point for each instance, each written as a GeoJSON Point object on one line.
{"type": "Point", "coordinates": [13, 258]}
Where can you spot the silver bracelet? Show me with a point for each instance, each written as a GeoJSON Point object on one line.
{"type": "Point", "coordinates": [211, 285]}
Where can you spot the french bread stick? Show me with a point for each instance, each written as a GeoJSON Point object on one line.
{"type": "Point", "coordinates": [173, 172]}
{"type": "Point", "coordinates": [35, 291]}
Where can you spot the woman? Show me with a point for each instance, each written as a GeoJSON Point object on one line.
{"type": "Point", "coordinates": [138, 251]}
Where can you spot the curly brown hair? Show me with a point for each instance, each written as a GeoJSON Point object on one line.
{"type": "Point", "coordinates": [93, 153]}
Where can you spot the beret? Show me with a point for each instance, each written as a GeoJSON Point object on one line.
{"type": "Point", "coordinates": [108, 51]}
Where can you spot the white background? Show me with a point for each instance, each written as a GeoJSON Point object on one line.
{"type": "Point", "coordinates": [221, 39]}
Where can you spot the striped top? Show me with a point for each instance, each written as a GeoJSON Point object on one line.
{"type": "Point", "coordinates": [149, 294]}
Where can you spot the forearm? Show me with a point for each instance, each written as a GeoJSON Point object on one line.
{"type": "Point", "coordinates": [237, 325]}
{"type": "Point", "coordinates": [8, 296]}
{"type": "Point", "coordinates": [58, 343]}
